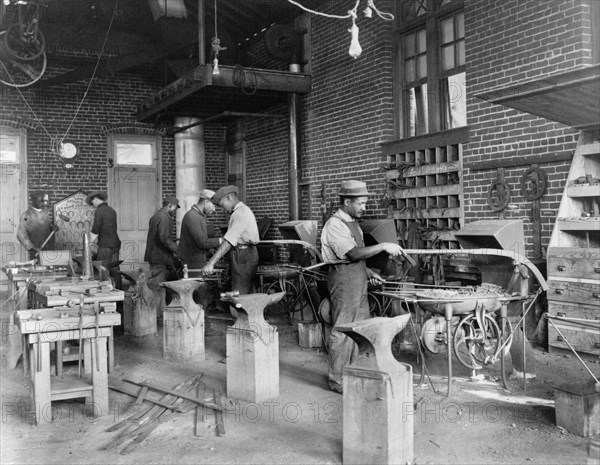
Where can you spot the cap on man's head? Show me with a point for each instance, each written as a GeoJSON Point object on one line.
{"type": "Point", "coordinates": [223, 191]}
{"type": "Point", "coordinates": [101, 195]}
{"type": "Point", "coordinates": [171, 200]}
{"type": "Point", "coordinates": [206, 194]}
{"type": "Point", "coordinates": [353, 188]}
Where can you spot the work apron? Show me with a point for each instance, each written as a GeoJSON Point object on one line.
{"type": "Point", "coordinates": [347, 285]}
{"type": "Point", "coordinates": [244, 266]}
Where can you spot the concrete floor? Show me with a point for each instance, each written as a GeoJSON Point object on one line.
{"type": "Point", "coordinates": [480, 423]}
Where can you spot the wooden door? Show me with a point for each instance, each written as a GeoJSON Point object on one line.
{"type": "Point", "coordinates": [13, 192]}
{"type": "Point", "coordinates": [135, 190]}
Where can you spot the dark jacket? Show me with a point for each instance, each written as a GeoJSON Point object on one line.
{"type": "Point", "coordinates": [194, 241]}
{"type": "Point", "coordinates": [105, 226]}
{"type": "Point", "coordinates": [160, 247]}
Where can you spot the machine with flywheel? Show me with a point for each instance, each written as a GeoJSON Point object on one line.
{"type": "Point", "coordinates": [22, 45]}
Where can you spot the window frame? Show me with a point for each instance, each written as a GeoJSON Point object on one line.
{"type": "Point", "coordinates": [431, 21]}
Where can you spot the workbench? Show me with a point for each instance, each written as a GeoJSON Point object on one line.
{"type": "Point", "coordinates": [69, 293]}
{"type": "Point", "coordinates": [42, 327]}
{"type": "Point", "coordinates": [19, 276]}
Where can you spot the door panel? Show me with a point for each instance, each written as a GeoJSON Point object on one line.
{"type": "Point", "coordinates": [13, 192]}
{"type": "Point", "coordinates": [135, 195]}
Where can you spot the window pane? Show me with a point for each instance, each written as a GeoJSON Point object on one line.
{"type": "Point", "coordinates": [448, 57]}
{"type": "Point", "coordinates": [8, 149]}
{"type": "Point", "coordinates": [409, 70]}
{"type": "Point", "coordinates": [461, 53]}
{"type": "Point", "coordinates": [455, 90]}
{"type": "Point", "coordinates": [421, 41]}
{"type": "Point", "coordinates": [422, 66]}
{"type": "Point", "coordinates": [409, 45]}
{"type": "Point", "coordinates": [417, 117]}
{"type": "Point", "coordinates": [137, 154]}
{"type": "Point", "coordinates": [447, 27]}
{"type": "Point", "coordinates": [460, 25]}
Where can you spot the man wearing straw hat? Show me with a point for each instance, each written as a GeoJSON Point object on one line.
{"type": "Point", "coordinates": [343, 248]}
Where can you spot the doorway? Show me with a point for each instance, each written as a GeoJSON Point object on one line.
{"type": "Point", "coordinates": [134, 191]}
{"type": "Point", "coordinates": [13, 191]}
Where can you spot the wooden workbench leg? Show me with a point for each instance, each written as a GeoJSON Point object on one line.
{"type": "Point", "coordinates": [87, 356]}
{"type": "Point", "coordinates": [26, 355]}
{"type": "Point", "coordinates": [111, 351]}
{"type": "Point", "coordinates": [41, 388]}
{"type": "Point", "coordinates": [100, 376]}
{"type": "Point", "coordinates": [59, 358]}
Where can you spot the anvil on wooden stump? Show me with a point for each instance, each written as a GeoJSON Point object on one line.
{"type": "Point", "coordinates": [252, 349]}
{"type": "Point", "coordinates": [378, 396]}
{"type": "Point", "coordinates": [183, 323]}
{"type": "Point", "coordinates": [140, 305]}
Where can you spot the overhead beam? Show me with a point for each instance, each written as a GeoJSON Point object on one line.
{"type": "Point", "coordinates": [229, 77]}
{"type": "Point", "coordinates": [113, 65]}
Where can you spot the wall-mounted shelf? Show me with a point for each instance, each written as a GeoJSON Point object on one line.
{"type": "Point", "coordinates": [574, 254]}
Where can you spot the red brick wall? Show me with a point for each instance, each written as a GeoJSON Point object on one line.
{"type": "Point", "coordinates": [510, 42]}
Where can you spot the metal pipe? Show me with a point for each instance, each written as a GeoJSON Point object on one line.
{"type": "Point", "coordinates": [224, 114]}
{"type": "Point", "coordinates": [87, 271]}
{"type": "Point", "coordinates": [549, 318]}
{"type": "Point", "coordinates": [448, 316]}
{"type": "Point", "coordinates": [503, 316]}
{"type": "Point", "coordinates": [293, 153]}
{"type": "Point", "coordinates": [201, 33]}
{"type": "Point", "coordinates": [190, 166]}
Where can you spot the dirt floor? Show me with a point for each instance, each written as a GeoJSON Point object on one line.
{"type": "Point", "coordinates": [480, 423]}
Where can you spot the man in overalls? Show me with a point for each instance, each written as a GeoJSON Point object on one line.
{"type": "Point", "coordinates": [343, 247]}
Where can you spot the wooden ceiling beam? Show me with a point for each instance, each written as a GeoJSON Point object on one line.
{"type": "Point", "coordinates": [112, 65]}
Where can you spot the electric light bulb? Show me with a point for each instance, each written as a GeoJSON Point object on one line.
{"type": "Point", "coordinates": [216, 71]}
{"type": "Point", "coordinates": [355, 48]}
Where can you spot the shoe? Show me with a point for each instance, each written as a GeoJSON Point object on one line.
{"type": "Point", "coordinates": [337, 389]}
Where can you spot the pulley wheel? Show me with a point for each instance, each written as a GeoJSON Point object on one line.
{"type": "Point", "coordinates": [325, 311]}
{"type": "Point", "coordinates": [433, 334]}
{"type": "Point", "coordinates": [282, 43]}
{"type": "Point", "coordinates": [498, 195]}
{"type": "Point", "coordinates": [533, 183]}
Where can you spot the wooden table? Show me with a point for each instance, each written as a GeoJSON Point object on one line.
{"type": "Point", "coordinates": [42, 327]}
{"type": "Point", "coordinates": [71, 297]}
{"type": "Point", "coordinates": [19, 278]}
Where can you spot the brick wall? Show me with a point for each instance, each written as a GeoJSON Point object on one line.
{"type": "Point", "coordinates": [510, 42]}
{"type": "Point", "coordinates": [343, 120]}
{"type": "Point", "coordinates": [108, 107]}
